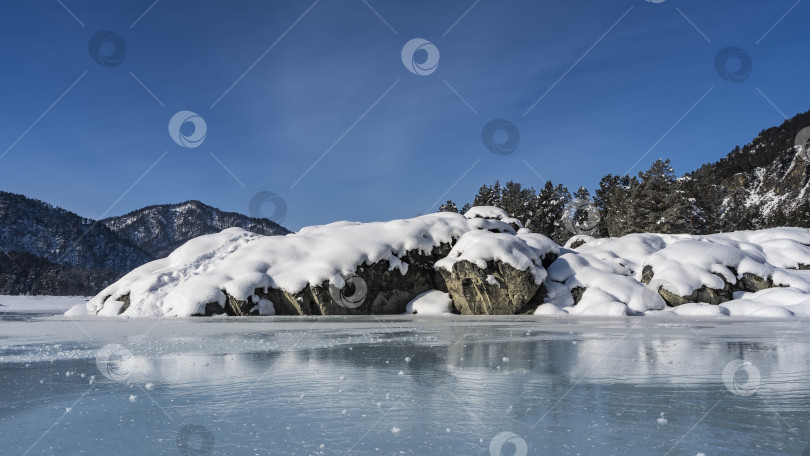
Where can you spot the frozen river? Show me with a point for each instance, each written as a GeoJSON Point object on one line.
{"type": "Point", "coordinates": [403, 386]}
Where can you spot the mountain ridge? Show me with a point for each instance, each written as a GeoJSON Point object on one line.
{"type": "Point", "coordinates": [46, 249]}
{"type": "Point", "coordinates": [763, 183]}
{"type": "Point", "coordinates": [159, 231]}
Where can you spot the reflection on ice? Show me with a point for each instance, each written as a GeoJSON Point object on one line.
{"type": "Point", "coordinates": [405, 386]}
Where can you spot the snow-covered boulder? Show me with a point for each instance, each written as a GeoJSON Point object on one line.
{"type": "Point", "coordinates": [647, 271]}
{"type": "Point", "coordinates": [495, 273]}
{"type": "Point", "coordinates": [578, 241]}
{"type": "Point", "coordinates": [712, 268]}
{"type": "Point", "coordinates": [583, 281]}
{"type": "Point", "coordinates": [377, 288]}
{"type": "Point", "coordinates": [493, 213]}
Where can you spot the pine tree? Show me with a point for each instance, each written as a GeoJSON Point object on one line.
{"type": "Point", "coordinates": [657, 205]}
{"type": "Point", "coordinates": [547, 211]}
{"type": "Point", "coordinates": [613, 200]}
{"type": "Point", "coordinates": [739, 216]}
{"type": "Point", "coordinates": [561, 199]}
{"type": "Point", "coordinates": [488, 195]}
{"type": "Point", "coordinates": [449, 206]}
{"type": "Point", "coordinates": [519, 202]}
{"type": "Point", "coordinates": [677, 213]}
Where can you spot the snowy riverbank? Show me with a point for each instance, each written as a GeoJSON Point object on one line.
{"type": "Point", "coordinates": [480, 263]}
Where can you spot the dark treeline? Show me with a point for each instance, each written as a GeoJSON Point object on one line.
{"type": "Point", "coordinates": [653, 201]}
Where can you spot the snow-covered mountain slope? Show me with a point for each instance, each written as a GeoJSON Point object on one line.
{"type": "Point", "coordinates": [762, 184]}
{"type": "Point", "coordinates": [37, 228]}
{"type": "Point", "coordinates": [48, 250]}
{"type": "Point", "coordinates": [160, 229]}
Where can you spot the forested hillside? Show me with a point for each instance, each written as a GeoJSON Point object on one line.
{"type": "Point", "coordinates": [760, 185]}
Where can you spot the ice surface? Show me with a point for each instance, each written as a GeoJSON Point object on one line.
{"type": "Point", "coordinates": [302, 385]}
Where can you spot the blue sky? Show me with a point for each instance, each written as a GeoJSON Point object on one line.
{"type": "Point", "coordinates": [280, 84]}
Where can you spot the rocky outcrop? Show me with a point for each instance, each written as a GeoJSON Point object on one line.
{"type": "Point", "coordinates": [747, 282]}
{"type": "Point", "coordinates": [753, 283]}
{"type": "Point", "coordinates": [702, 294]}
{"type": "Point", "coordinates": [478, 266]}
{"type": "Point", "coordinates": [370, 289]}
{"type": "Point", "coordinates": [498, 289]}
{"type": "Point", "coordinates": [494, 214]}
{"type": "Point", "coordinates": [497, 273]}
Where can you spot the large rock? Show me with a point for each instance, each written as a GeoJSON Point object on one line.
{"type": "Point", "coordinates": [753, 283]}
{"type": "Point", "coordinates": [496, 214]}
{"type": "Point", "coordinates": [747, 282]}
{"type": "Point", "coordinates": [370, 289]}
{"type": "Point", "coordinates": [497, 289]}
{"type": "Point", "coordinates": [702, 294]}
{"type": "Point", "coordinates": [496, 273]}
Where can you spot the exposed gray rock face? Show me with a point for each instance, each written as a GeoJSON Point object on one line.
{"type": "Point", "coordinates": [577, 243]}
{"type": "Point", "coordinates": [702, 294]}
{"type": "Point", "coordinates": [748, 282]}
{"type": "Point", "coordinates": [370, 289]}
{"type": "Point", "coordinates": [498, 289]}
{"type": "Point", "coordinates": [239, 308]}
{"type": "Point", "coordinates": [753, 283]}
